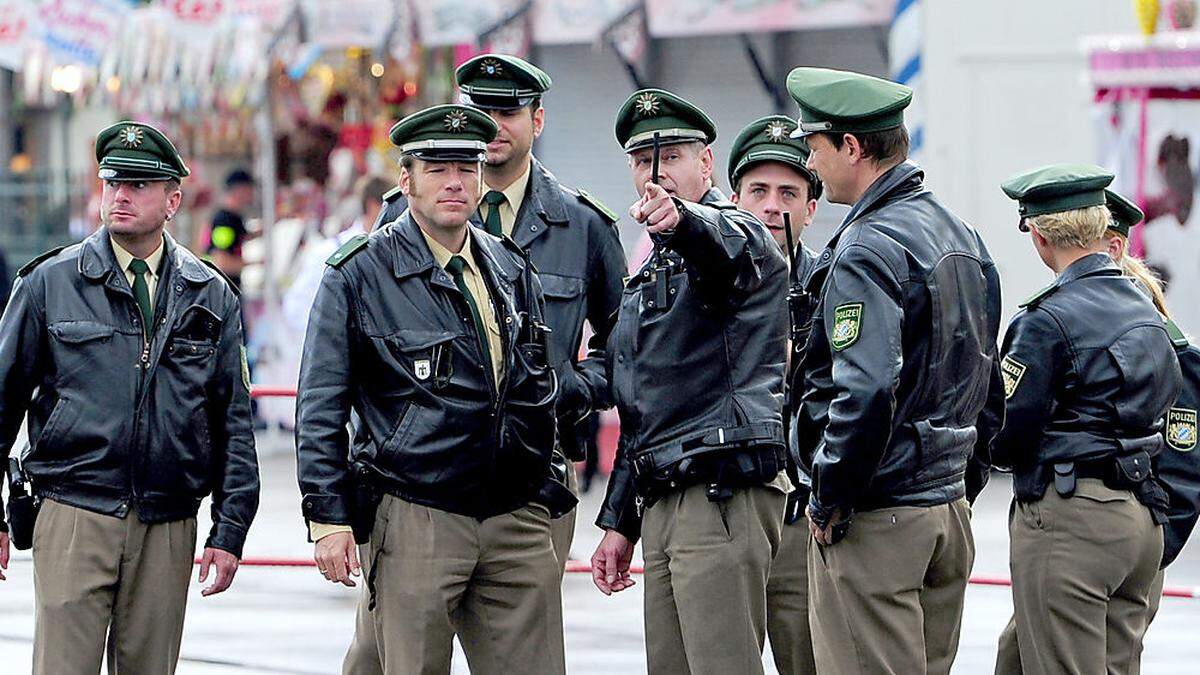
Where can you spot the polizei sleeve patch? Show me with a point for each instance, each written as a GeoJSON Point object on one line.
{"type": "Point", "coordinates": [847, 323]}
{"type": "Point", "coordinates": [1181, 429]}
{"type": "Point", "coordinates": [1012, 371]}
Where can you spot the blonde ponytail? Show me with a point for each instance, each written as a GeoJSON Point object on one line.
{"type": "Point", "coordinates": [1135, 267]}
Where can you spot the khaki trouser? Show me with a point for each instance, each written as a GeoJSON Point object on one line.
{"type": "Point", "coordinates": [787, 603]}
{"type": "Point", "coordinates": [101, 579]}
{"type": "Point", "coordinates": [363, 656]}
{"type": "Point", "coordinates": [1082, 570]}
{"type": "Point", "coordinates": [562, 529]}
{"type": "Point", "coordinates": [889, 597]}
{"type": "Point", "coordinates": [706, 579]}
{"type": "Point", "coordinates": [495, 584]}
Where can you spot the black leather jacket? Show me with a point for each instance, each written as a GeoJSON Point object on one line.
{"type": "Point", "coordinates": [390, 337]}
{"type": "Point", "coordinates": [573, 244]}
{"type": "Point", "coordinates": [1178, 467]}
{"type": "Point", "coordinates": [1090, 373]}
{"type": "Point", "coordinates": [113, 428]}
{"type": "Point", "coordinates": [901, 356]}
{"type": "Point", "coordinates": [705, 368]}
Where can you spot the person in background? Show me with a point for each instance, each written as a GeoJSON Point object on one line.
{"type": "Point", "coordinates": [228, 232]}
{"type": "Point", "coordinates": [297, 301]}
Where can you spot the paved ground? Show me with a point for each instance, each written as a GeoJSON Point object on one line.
{"type": "Point", "coordinates": [282, 620]}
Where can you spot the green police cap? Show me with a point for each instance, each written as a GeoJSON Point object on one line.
{"type": "Point", "coordinates": [129, 151]}
{"type": "Point", "coordinates": [768, 139]}
{"type": "Point", "coordinates": [840, 101]}
{"type": "Point", "coordinates": [647, 111]}
{"type": "Point", "coordinates": [1057, 187]}
{"type": "Point", "coordinates": [1125, 214]}
{"type": "Point", "coordinates": [445, 133]}
{"type": "Point", "coordinates": [500, 82]}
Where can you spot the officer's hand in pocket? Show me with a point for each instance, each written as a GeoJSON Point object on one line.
{"type": "Point", "coordinates": [337, 558]}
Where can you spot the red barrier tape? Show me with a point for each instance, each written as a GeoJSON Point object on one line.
{"type": "Point", "coordinates": [259, 391]}
{"type": "Point", "coordinates": [582, 567]}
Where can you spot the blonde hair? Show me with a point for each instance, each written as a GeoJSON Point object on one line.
{"type": "Point", "coordinates": [1077, 228]}
{"type": "Point", "coordinates": [1136, 268]}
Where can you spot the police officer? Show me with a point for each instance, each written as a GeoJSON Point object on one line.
{"type": "Point", "coordinates": [768, 176]}
{"type": "Point", "coordinates": [432, 333]}
{"type": "Point", "coordinates": [697, 358]}
{"type": "Point", "coordinates": [126, 352]}
{"type": "Point", "coordinates": [1177, 467]}
{"type": "Point", "coordinates": [571, 239]}
{"type": "Point", "coordinates": [899, 364]}
{"type": "Point", "coordinates": [1089, 373]}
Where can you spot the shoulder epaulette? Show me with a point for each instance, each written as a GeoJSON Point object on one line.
{"type": "Point", "coordinates": [221, 273]}
{"type": "Point", "coordinates": [29, 266]}
{"type": "Point", "coordinates": [391, 195]}
{"type": "Point", "coordinates": [1039, 296]}
{"type": "Point", "coordinates": [1176, 335]}
{"type": "Point", "coordinates": [355, 244]}
{"type": "Point", "coordinates": [599, 206]}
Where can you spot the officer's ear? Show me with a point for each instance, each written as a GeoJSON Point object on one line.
{"type": "Point", "coordinates": [1114, 245]}
{"type": "Point", "coordinates": [405, 179]}
{"type": "Point", "coordinates": [539, 121]}
{"type": "Point", "coordinates": [851, 145]}
{"type": "Point", "coordinates": [706, 162]}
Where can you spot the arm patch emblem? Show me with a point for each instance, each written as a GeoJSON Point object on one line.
{"type": "Point", "coordinates": [1012, 371]}
{"type": "Point", "coordinates": [1181, 429]}
{"type": "Point", "coordinates": [847, 324]}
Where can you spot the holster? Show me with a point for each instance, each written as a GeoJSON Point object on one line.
{"type": "Point", "coordinates": [23, 507]}
{"type": "Point", "coordinates": [367, 495]}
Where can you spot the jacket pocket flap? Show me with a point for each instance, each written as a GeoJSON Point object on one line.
{"type": "Point", "coordinates": [558, 286]}
{"type": "Point", "coordinates": [80, 331]}
{"type": "Point", "coordinates": [416, 340]}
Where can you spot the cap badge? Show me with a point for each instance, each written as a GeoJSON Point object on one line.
{"type": "Point", "coordinates": [491, 67]}
{"type": "Point", "coordinates": [131, 137]}
{"type": "Point", "coordinates": [455, 121]}
{"type": "Point", "coordinates": [646, 105]}
{"type": "Point", "coordinates": [777, 132]}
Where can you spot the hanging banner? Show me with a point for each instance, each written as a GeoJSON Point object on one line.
{"type": "Point", "coordinates": [347, 23]}
{"type": "Point", "coordinates": [680, 18]}
{"type": "Point", "coordinates": [17, 24]}
{"type": "Point", "coordinates": [510, 35]}
{"type": "Point", "coordinates": [557, 22]}
{"type": "Point", "coordinates": [449, 22]}
{"type": "Point", "coordinates": [79, 31]}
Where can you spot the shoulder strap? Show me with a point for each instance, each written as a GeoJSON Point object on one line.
{"type": "Point", "coordinates": [29, 266]}
{"type": "Point", "coordinates": [608, 214]}
{"type": "Point", "coordinates": [355, 244]}
{"type": "Point", "coordinates": [221, 273]}
{"type": "Point", "coordinates": [1034, 299]}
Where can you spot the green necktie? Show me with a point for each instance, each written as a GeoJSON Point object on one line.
{"type": "Point", "coordinates": [455, 268]}
{"type": "Point", "coordinates": [141, 293]}
{"type": "Point", "coordinates": [493, 199]}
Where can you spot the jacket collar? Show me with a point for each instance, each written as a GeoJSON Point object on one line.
{"type": "Point", "coordinates": [544, 202]}
{"type": "Point", "coordinates": [903, 178]}
{"type": "Point", "coordinates": [97, 260]}
{"type": "Point", "coordinates": [714, 197]}
{"type": "Point", "coordinates": [1088, 265]}
{"type": "Point", "coordinates": [412, 254]}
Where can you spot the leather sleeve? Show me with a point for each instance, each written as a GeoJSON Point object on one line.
{"type": "Point", "coordinates": [22, 343]}
{"type": "Point", "coordinates": [726, 251]}
{"type": "Point", "coordinates": [862, 312]}
{"type": "Point", "coordinates": [1032, 361]}
{"type": "Point", "coordinates": [991, 418]}
{"type": "Point", "coordinates": [621, 510]}
{"type": "Point", "coordinates": [323, 404]}
{"type": "Point", "coordinates": [236, 493]}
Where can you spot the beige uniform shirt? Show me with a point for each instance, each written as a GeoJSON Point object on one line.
{"type": "Point", "coordinates": [514, 195]}
{"type": "Point", "coordinates": [152, 261]}
{"type": "Point", "coordinates": [474, 281]}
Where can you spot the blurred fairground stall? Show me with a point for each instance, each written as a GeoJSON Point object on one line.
{"type": "Point", "coordinates": [1147, 105]}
